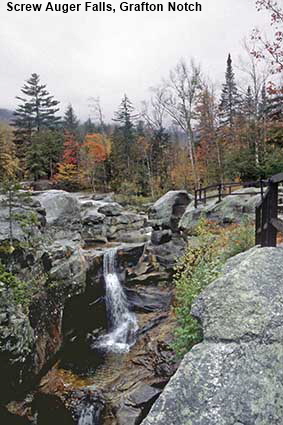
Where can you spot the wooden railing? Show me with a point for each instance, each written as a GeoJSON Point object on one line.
{"type": "Point", "coordinates": [267, 222]}
{"type": "Point", "coordinates": [203, 194]}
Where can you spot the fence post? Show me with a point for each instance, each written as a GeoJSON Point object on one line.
{"type": "Point", "coordinates": [261, 187]}
{"type": "Point", "coordinates": [264, 221]}
{"type": "Point", "coordinates": [219, 192]}
{"type": "Point", "coordinates": [272, 213]}
{"type": "Point", "coordinates": [258, 235]}
{"type": "Point", "coordinates": [196, 198]}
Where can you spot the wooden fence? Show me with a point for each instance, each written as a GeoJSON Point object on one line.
{"type": "Point", "coordinates": [267, 222]}
{"type": "Point", "coordinates": [220, 191]}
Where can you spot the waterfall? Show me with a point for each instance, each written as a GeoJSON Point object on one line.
{"type": "Point", "coordinates": [87, 416]}
{"type": "Point", "coordinates": [122, 323]}
{"type": "Point", "coordinates": [90, 413]}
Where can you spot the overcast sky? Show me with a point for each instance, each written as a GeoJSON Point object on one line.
{"type": "Point", "coordinates": [85, 54]}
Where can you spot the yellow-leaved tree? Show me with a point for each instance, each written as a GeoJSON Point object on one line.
{"type": "Point", "coordinates": [9, 164]}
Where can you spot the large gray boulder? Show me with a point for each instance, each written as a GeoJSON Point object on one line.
{"type": "Point", "coordinates": [167, 211]}
{"type": "Point", "coordinates": [231, 209]}
{"type": "Point", "coordinates": [235, 375]}
{"type": "Point", "coordinates": [59, 206]}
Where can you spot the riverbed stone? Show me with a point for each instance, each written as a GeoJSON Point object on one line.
{"type": "Point", "coordinates": [136, 404]}
{"type": "Point", "coordinates": [149, 299]}
{"type": "Point", "coordinates": [235, 375]}
{"type": "Point", "coordinates": [111, 209]}
{"type": "Point", "coordinates": [158, 237]}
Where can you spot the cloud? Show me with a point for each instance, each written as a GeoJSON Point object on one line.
{"type": "Point", "coordinates": [83, 54]}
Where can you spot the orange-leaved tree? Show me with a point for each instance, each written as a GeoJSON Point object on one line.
{"type": "Point", "coordinates": [94, 152]}
{"type": "Point", "coordinates": [68, 168]}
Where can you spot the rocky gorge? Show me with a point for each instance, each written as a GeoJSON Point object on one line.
{"type": "Point", "coordinates": [87, 337]}
{"type": "Point", "coordinates": [49, 358]}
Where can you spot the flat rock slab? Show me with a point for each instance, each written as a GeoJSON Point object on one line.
{"type": "Point", "coordinates": [235, 376]}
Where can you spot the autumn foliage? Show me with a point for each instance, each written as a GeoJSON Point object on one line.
{"type": "Point", "coordinates": [96, 147]}
{"type": "Point", "coordinates": [71, 149]}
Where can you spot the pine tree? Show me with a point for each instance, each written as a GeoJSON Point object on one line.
{"type": "Point", "coordinates": [52, 147]}
{"type": "Point", "coordinates": [36, 111]}
{"type": "Point", "coordinates": [43, 153]}
{"type": "Point", "coordinates": [230, 99]}
{"type": "Point", "coordinates": [37, 106]}
{"type": "Point", "coordinates": [273, 116]}
{"type": "Point", "coordinates": [274, 104]}
{"type": "Point", "coordinates": [35, 159]}
{"type": "Point", "coordinates": [89, 127]}
{"type": "Point", "coordinates": [70, 121]}
{"type": "Point", "coordinates": [248, 105]}
{"type": "Point", "coordinates": [124, 137]}
{"type": "Point", "coordinates": [125, 118]}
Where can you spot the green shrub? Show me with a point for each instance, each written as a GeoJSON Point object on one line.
{"type": "Point", "coordinates": [201, 265]}
{"type": "Point", "coordinates": [22, 291]}
{"type": "Point", "coordinates": [241, 238]}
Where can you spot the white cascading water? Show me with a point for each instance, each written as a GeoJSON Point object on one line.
{"type": "Point", "coordinates": [122, 323]}
{"type": "Point", "coordinates": [87, 416]}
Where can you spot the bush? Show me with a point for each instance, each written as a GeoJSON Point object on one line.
{"type": "Point", "coordinates": [22, 291]}
{"type": "Point", "coordinates": [200, 266]}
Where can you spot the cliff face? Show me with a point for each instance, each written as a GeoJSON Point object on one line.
{"type": "Point", "coordinates": [235, 376]}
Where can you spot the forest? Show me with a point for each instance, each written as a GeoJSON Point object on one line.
{"type": "Point", "coordinates": [189, 132]}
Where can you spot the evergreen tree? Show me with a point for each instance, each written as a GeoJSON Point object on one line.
{"type": "Point", "coordinates": [52, 147]}
{"type": "Point", "coordinates": [230, 98]}
{"type": "Point", "coordinates": [89, 127]}
{"type": "Point", "coordinates": [274, 105]}
{"type": "Point", "coordinates": [35, 160]}
{"type": "Point", "coordinates": [43, 153]}
{"type": "Point", "coordinates": [273, 116]}
{"type": "Point", "coordinates": [248, 105]}
{"type": "Point", "coordinates": [36, 111]}
{"type": "Point", "coordinates": [70, 121]}
{"type": "Point", "coordinates": [38, 108]}
{"type": "Point", "coordinates": [125, 117]}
